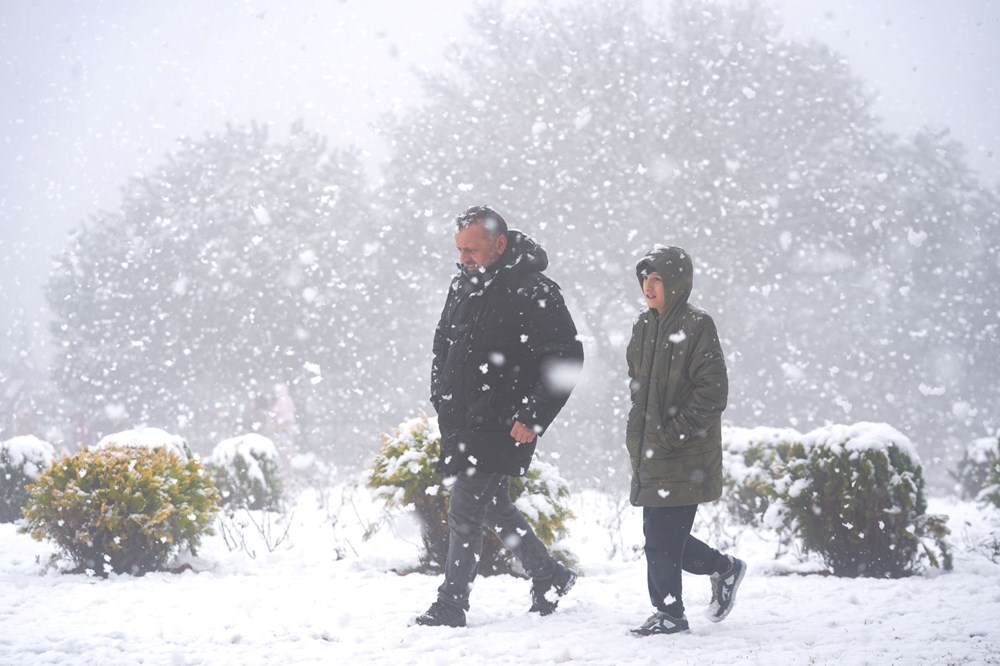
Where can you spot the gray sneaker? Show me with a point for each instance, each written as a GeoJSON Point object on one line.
{"type": "Point", "coordinates": [662, 623]}
{"type": "Point", "coordinates": [724, 588]}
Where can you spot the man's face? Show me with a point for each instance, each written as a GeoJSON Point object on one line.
{"type": "Point", "coordinates": [654, 291]}
{"type": "Point", "coordinates": [477, 248]}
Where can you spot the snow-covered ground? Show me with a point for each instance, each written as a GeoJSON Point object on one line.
{"type": "Point", "coordinates": [302, 605]}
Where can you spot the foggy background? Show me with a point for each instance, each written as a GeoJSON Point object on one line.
{"type": "Point", "coordinates": [875, 301]}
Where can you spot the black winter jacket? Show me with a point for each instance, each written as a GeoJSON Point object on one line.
{"type": "Point", "coordinates": [505, 349]}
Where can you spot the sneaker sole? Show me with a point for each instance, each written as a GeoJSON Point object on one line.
{"type": "Point", "coordinates": [732, 599]}
{"type": "Point", "coordinates": [642, 634]}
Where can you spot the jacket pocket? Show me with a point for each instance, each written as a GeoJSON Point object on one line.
{"type": "Point", "coordinates": [658, 445]}
{"type": "Point", "coordinates": [674, 467]}
{"type": "Point", "coordinates": [483, 415]}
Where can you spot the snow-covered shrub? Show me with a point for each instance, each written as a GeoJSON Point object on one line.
{"type": "Point", "coordinates": [981, 456]}
{"type": "Point", "coordinates": [246, 472]}
{"type": "Point", "coordinates": [404, 475]}
{"type": "Point", "coordinates": [542, 497]}
{"type": "Point", "coordinates": [148, 438]}
{"type": "Point", "coordinates": [991, 491]}
{"type": "Point", "coordinates": [122, 509]}
{"type": "Point", "coordinates": [22, 460]}
{"type": "Point", "coordinates": [857, 499]}
{"type": "Point", "coordinates": [754, 459]}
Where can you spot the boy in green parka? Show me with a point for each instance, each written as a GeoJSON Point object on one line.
{"type": "Point", "coordinates": [679, 389]}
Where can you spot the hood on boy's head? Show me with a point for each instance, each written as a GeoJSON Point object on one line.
{"type": "Point", "coordinates": [675, 269]}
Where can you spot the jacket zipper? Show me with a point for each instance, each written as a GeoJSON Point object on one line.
{"type": "Point", "coordinates": [650, 392]}
{"type": "Point", "coordinates": [645, 409]}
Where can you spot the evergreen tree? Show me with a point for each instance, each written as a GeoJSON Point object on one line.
{"type": "Point", "coordinates": [604, 128]}
{"type": "Point", "coordinates": [238, 265]}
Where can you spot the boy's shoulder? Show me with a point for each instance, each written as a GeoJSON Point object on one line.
{"type": "Point", "coordinates": [695, 313]}
{"type": "Point", "coordinates": [690, 315]}
{"type": "Point", "coordinates": [642, 318]}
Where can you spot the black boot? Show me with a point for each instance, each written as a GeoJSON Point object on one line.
{"type": "Point", "coordinates": [543, 601]}
{"type": "Point", "coordinates": [441, 615]}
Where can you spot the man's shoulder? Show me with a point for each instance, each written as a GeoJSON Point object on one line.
{"type": "Point", "coordinates": [535, 285]}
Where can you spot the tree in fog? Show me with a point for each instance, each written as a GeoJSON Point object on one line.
{"type": "Point", "coordinates": [26, 398]}
{"type": "Point", "coordinates": [237, 266]}
{"type": "Point", "coordinates": [853, 273]}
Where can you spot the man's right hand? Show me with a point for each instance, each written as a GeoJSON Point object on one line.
{"type": "Point", "coordinates": [522, 433]}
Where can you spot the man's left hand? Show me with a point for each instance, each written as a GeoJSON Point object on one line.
{"type": "Point", "coordinates": [522, 433]}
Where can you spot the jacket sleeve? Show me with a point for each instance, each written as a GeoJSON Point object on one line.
{"type": "Point", "coordinates": [632, 351]}
{"type": "Point", "coordinates": [708, 390]}
{"type": "Point", "coordinates": [442, 342]}
{"type": "Point", "coordinates": [553, 337]}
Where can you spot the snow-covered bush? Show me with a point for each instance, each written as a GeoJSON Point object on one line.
{"type": "Point", "coordinates": [856, 498]}
{"type": "Point", "coordinates": [122, 509]}
{"type": "Point", "coordinates": [541, 496]}
{"type": "Point", "coordinates": [754, 459]}
{"type": "Point", "coordinates": [404, 475]}
{"type": "Point", "coordinates": [981, 456]}
{"type": "Point", "coordinates": [991, 490]}
{"type": "Point", "coordinates": [148, 438]}
{"type": "Point", "coordinates": [22, 460]}
{"type": "Point", "coordinates": [246, 472]}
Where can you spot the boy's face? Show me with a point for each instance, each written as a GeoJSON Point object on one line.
{"type": "Point", "coordinates": [654, 291]}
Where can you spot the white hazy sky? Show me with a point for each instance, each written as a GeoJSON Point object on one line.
{"type": "Point", "coordinates": [93, 91]}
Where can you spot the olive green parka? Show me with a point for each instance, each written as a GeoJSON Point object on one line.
{"type": "Point", "coordinates": [679, 389]}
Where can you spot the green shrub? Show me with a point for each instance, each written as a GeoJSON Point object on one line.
{"type": "Point", "coordinates": [990, 494]}
{"type": "Point", "coordinates": [22, 460]}
{"type": "Point", "coordinates": [754, 460]}
{"type": "Point", "coordinates": [980, 458]}
{"type": "Point", "coordinates": [121, 509]}
{"type": "Point", "coordinates": [246, 472]}
{"type": "Point", "coordinates": [404, 475]}
{"type": "Point", "coordinates": [856, 498]}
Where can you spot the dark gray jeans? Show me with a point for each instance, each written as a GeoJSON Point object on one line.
{"type": "Point", "coordinates": [478, 501]}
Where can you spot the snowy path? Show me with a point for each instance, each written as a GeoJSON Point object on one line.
{"type": "Point", "coordinates": [301, 606]}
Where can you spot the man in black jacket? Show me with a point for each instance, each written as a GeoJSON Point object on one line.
{"type": "Point", "coordinates": [506, 356]}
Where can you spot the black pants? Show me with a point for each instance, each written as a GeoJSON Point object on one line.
{"type": "Point", "coordinates": [478, 501]}
{"type": "Point", "coordinates": [671, 548]}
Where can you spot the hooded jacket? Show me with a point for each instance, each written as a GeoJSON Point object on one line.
{"type": "Point", "coordinates": [505, 349]}
{"type": "Point", "coordinates": [679, 390]}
